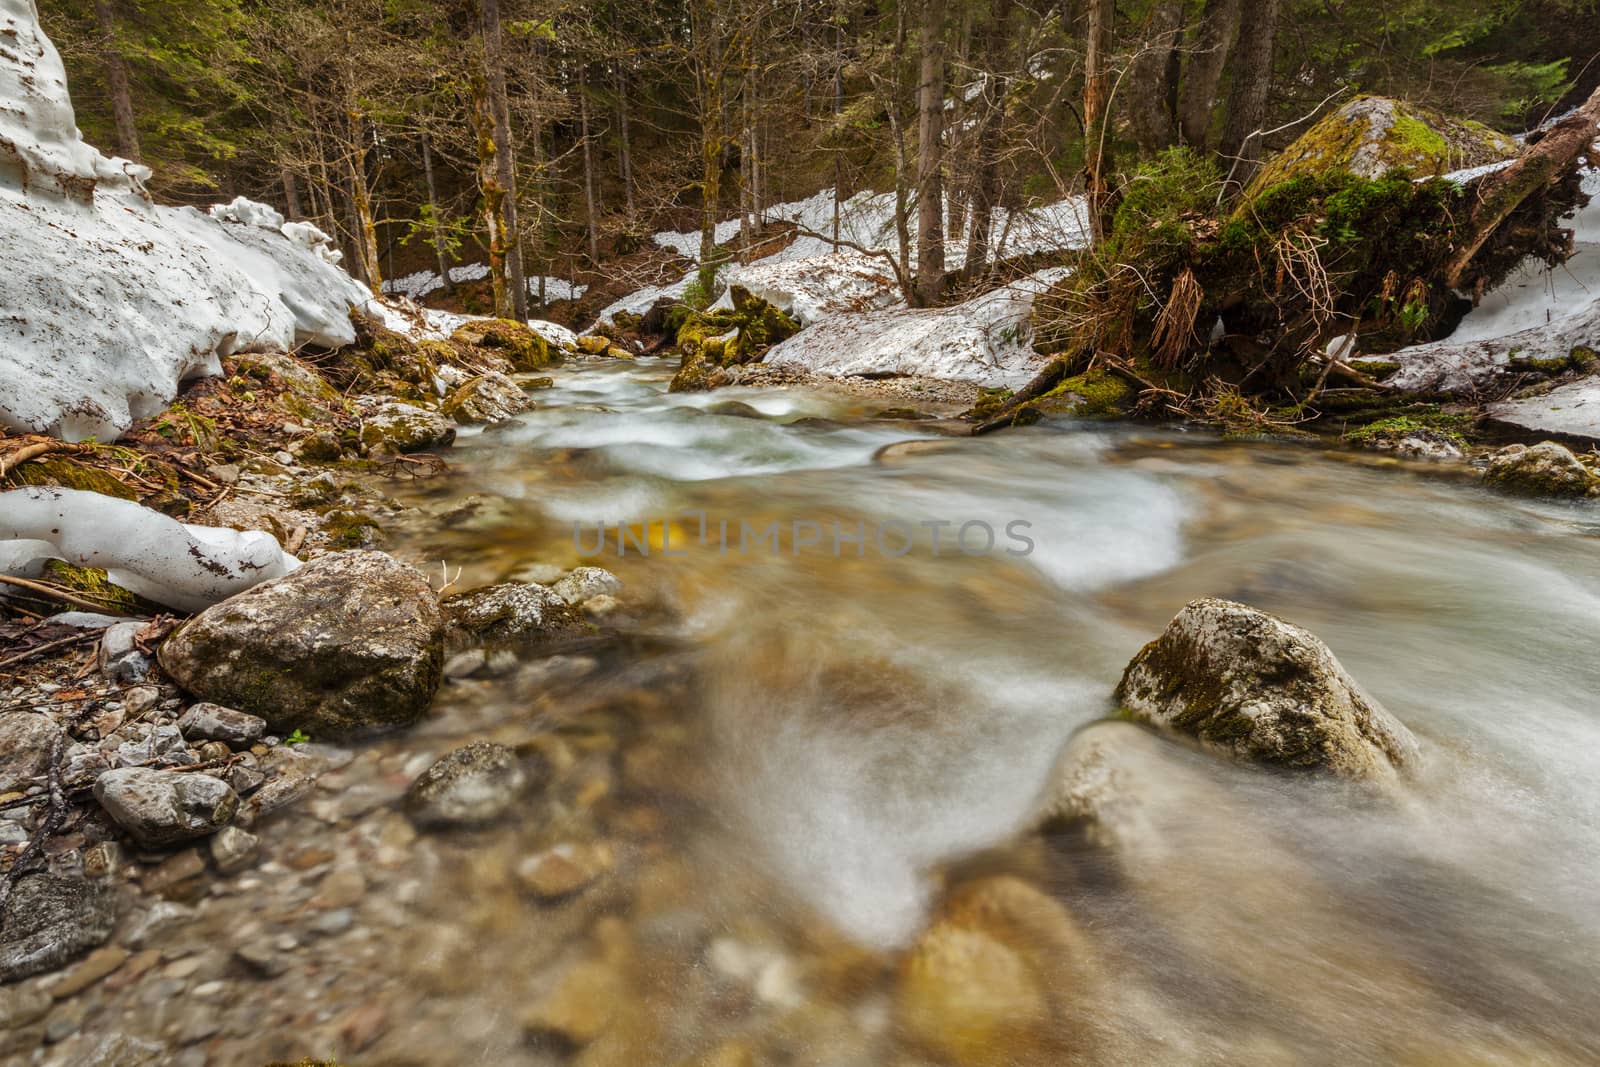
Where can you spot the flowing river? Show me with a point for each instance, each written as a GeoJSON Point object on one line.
{"type": "Point", "coordinates": [807, 773]}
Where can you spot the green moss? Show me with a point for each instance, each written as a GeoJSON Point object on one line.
{"type": "Point", "coordinates": [525, 349]}
{"type": "Point", "coordinates": [345, 528]}
{"type": "Point", "coordinates": [1451, 427]}
{"type": "Point", "coordinates": [93, 584]}
{"type": "Point", "coordinates": [1410, 138]}
{"type": "Point", "coordinates": [69, 474]}
{"type": "Point", "coordinates": [1096, 392]}
{"type": "Point", "coordinates": [989, 403]}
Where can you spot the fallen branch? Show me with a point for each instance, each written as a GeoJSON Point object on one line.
{"type": "Point", "coordinates": [48, 646]}
{"type": "Point", "coordinates": [34, 451]}
{"type": "Point", "coordinates": [58, 594]}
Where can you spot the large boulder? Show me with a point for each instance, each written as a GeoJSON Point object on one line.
{"type": "Point", "coordinates": [490, 397]}
{"type": "Point", "coordinates": [1546, 469]}
{"type": "Point", "coordinates": [526, 349]}
{"type": "Point", "coordinates": [1372, 135]}
{"type": "Point", "coordinates": [1240, 681]}
{"type": "Point", "coordinates": [349, 641]}
{"type": "Point", "coordinates": [161, 808]}
{"type": "Point", "coordinates": [398, 427]}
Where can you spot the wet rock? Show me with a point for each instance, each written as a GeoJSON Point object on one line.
{"type": "Point", "coordinates": [406, 428]}
{"type": "Point", "coordinates": [280, 793]}
{"type": "Point", "coordinates": [21, 1005]}
{"type": "Point", "coordinates": [566, 869]}
{"type": "Point", "coordinates": [51, 920]}
{"type": "Point", "coordinates": [261, 959]}
{"type": "Point", "coordinates": [580, 1007]}
{"type": "Point", "coordinates": [99, 964]}
{"type": "Point", "coordinates": [970, 998]}
{"type": "Point", "coordinates": [349, 641]}
{"type": "Point", "coordinates": [510, 614]}
{"type": "Point", "coordinates": [121, 659]}
{"type": "Point", "coordinates": [491, 397]}
{"type": "Point", "coordinates": [160, 808]}
{"type": "Point", "coordinates": [538, 573]}
{"type": "Point", "coordinates": [213, 722]}
{"type": "Point", "coordinates": [465, 664]}
{"type": "Point", "coordinates": [1427, 444]}
{"type": "Point", "coordinates": [151, 926]}
{"type": "Point", "coordinates": [1546, 469]}
{"type": "Point", "coordinates": [181, 876]}
{"type": "Point", "coordinates": [233, 849]}
{"type": "Point", "coordinates": [601, 607]}
{"type": "Point", "coordinates": [26, 741]}
{"type": "Point", "coordinates": [1249, 684]}
{"type": "Point", "coordinates": [472, 786]}
{"type": "Point", "coordinates": [586, 582]}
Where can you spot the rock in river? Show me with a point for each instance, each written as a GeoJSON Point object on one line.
{"type": "Point", "coordinates": [1247, 683]}
{"type": "Point", "coordinates": [349, 641]}
{"type": "Point", "coordinates": [472, 786]}
{"type": "Point", "coordinates": [406, 428]}
{"type": "Point", "coordinates": [1546, 469]}
{"type": "Point", "coordinates": [162, 808]}
{"type": "Point", "coordinates": [49, 921]}
{"type": "Point", "coordinates": [491, 397]}
{"type": "Point", "coordinates": [510, 613]}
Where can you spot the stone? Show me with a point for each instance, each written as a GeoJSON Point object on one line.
{"type": "Point", "coordinates": [160, 808]}
{"type": "Point", "coordinates": [472, 786]}
{"type": "Point", "coordinates": [261, 959]}
{"type": "Point", "coordinates": [181, 876]}
{"type": "Point", "coordinates": [1244, 682]}
{"type": "Point", "coordinates": [465, 664]}
{"type": "Point", "coordinates": [233, 849]}
{"type": "Point", "coordinates": [21, 1005]}
{"type": "Point", "coordinates": [406, 428]}
{"type": "Point", "coordinates": [969, 998]}
{"type": "Point", "coordinates": [1547, 469]}
{"type": "Point", "coordinates": [510, 614]}
{"type": "Point", "coordinates": [491, 397]}
{"type": "Point", "coordinates": [26, 741]}
{"type": "Point", "coordinates": [586, 582]}
{"type": "Point", "coordinates": [350, 641]}
{"type": "Point", "coordinates": [1571, 410]}
{"type": "Point", "coordinates": [99, 964]}
{"type": "Point", "coordinates": [50, 920]}
{"type": "Point", "coordinates": [121, 659]}
{"type": "Point", "coordinates": [213, 722]}
{"type": "Point", "coordinates": [538, 573]}
{"type": "Point", "coordinates": [1371, 135]}
{"type": "Point", "coordinates": [149, 927]}
{"type": "Point", "coordinates": [1427, 444]}
{"type": "Point", "coordinates": [601, 607]}
{"type": "Point", "coordinates": [566, 869]}
{"type": "Point", "coordinates": [161, 744]}
{"type": "Point", "coordinates": [594, 344]}
{"type": "Point", "coordinates": [580, 1006]}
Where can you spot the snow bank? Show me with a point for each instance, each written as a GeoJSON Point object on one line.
{"type": "Point", "coordinates": [157, 557]}
{"type": "Point", "coordinates": [986, 340]}
{"type": "Point", "coordinates": [110, 302]}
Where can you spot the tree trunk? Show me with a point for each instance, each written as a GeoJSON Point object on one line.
{"type": "Point", "coordinates": [1252, 80]}
{"type": "Point", "coordinates": [1497, 195]}
{"type": "Point", "coordinates": [1219, 24]}
{"type": "Point", "coordinates": [1096, 105]}
{"type": "Point", "coordinates": [366, 230]}
{"type": "Point", "coordinates": [838, 109]}
{"type": "Point", "coordinates": [991, 126]}
{"type": "Point", "coordinates": [625, 162]}
{"type": "Point", "coordinates": [930, 131]}
{"type": "Point", "coordinates": [1145, 90]}
{"type": "Point", "coordinates": [433, 213]}
{"type": "Point", "coordinates": [291, 193]}
{"type": "Point", "coordinates": [505, 173]}
{"type": "Point", "coordinates": [117, 82]}
{"type": "Point", "coordinates": [591, 205]}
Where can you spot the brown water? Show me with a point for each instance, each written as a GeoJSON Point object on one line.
{"type": "Point", "coordinates": [807, 775]}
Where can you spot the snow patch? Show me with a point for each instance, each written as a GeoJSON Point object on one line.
{"type": "Point", "coordinates": [184, 567]}
{"type": "Point", "coordinates": [424, 283]}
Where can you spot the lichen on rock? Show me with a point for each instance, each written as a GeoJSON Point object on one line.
{"type": "Point", "coordinates": [1546, 469]}
{"type": "Point", "coordinates": [1240, 681]}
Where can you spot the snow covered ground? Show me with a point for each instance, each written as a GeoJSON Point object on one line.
{"type": "Point", "coordinates": [109, 301]}
{"type": "Point", "coordinates": [425, 282]}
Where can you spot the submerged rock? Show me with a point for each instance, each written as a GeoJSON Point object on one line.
{"type": "Point", "coordinates": [160, 808]}
{"type": "Point", "coordinates": [406, 428]}
{"type": "Point", "coordinates": [490, 397]}
{"type": "Point", "coordinates": [470, 787]}
{"type": "Point", "coordinates": [1546, 469]}
{"type": "Point", "coordinates": [510, 613]}
{"type": "Point", "coordinates": [1249, 684]}
{"type": "Point", "coordinates": [584, 583]}
{"type": "Point", "coordinates": [349, 641]}
{"type": "Point", "coordinates": [49, 921]}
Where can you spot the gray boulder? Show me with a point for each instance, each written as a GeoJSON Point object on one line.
{"type": "Point", "coordinates": [26, 739]}
{"type": "Point", "coordinates": [160, 808]}
{"type": "Point", "coordinates": [1546, 469]}
{"type": "Point", "coordinates": [406, 428]}
{"type": "Point", "coordinates": [491, 397]}
{"type": "Point", "coordinates": [510, 614]}
{"type": "Point", "coordinates": [350, 641]}
{"type": "Point", "coordinates": [1240, 681]}
{"type": "Point", "coordinates": [472, 786]}
{"type": "Point", "coordinates": [213, 722]}
{"type": "Point", "coordinates": [49, 920]}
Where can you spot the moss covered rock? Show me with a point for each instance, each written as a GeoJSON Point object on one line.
{"type": "Point", "coordinates": [1372, 135]}
{"type": "Point", "coordinates": [1547, 469]}
{"type": "Point", "coordinates": [489, 397]}
{"type": "Point", "coordinates": [1096, 393]}
{"type": "Point", "coordinates": [96, 585]}
{"type": "Point", "coordinates": [525, 349]}
{"type": "Point", "coordinates": [1246, 683]}
{"type": "Point", "coordinates": [510, 614]}
{"type": "Point", "coordinates": [350, 641]}
{"type": "Point", "coordinates": [69, 474]}
{"type": "Point", "coordinates": [404, 427]}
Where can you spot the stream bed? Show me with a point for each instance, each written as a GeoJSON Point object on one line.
{"type": "Point", "coordinates": [785, 818]}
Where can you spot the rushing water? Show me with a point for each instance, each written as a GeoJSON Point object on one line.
{"type": "Point", "coordinates": [801, 759]}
